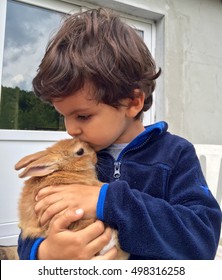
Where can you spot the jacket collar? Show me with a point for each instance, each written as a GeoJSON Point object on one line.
{"type": "Point", "coordinates": [149, 132]}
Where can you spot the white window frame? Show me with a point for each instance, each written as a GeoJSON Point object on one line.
{"type": "Point", "coordinates": [150, 41]}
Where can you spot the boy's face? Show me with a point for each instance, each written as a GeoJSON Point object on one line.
{"type": "Point", "coordinates": [98, 124]}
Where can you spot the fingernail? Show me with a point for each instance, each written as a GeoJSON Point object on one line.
{"type": "Point", "coordinates": [79, 211]}
{"type": "Point", "coordinates": [36, 198]}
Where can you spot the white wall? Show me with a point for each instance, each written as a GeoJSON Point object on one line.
{"type": "Point", "coordinates": [193, 69]}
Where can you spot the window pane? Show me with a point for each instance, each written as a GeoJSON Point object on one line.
{"type": "Point", "coordinates": [140, 33]}
{"type": "Point", "coordinates": [28, 29]}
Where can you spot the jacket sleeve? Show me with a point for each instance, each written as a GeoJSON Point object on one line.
{"type": "Point", "coordinates": [28, 248]}
{"type": "Point", "coordinates": [185, 224]}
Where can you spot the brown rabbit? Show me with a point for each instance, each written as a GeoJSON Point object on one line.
{"type": "Point", "coordinates": [66, 162]}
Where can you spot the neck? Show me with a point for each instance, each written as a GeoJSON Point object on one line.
{"type": "Point", "coordinates": [133, 129]}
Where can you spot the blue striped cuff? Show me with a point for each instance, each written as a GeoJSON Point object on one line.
{"type": "Point", "coordinates": [101, 201]}
{"type": "Point", "coordinates": [34, 250]}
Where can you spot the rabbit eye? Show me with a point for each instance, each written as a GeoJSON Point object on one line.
{"type": "Point", "coordinates": [80, 152]}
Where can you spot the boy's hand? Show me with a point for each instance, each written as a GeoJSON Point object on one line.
{"type": "Point", "coordinates": [53, 200]}
{"type": "Point", "coordinates": [65, 244]}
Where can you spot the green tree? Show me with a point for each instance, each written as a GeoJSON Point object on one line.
{"type": "Point", "coordinates": [20, 109]}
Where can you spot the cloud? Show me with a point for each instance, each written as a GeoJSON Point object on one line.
{"type": "Point", "coordinates": [28, 29]}
{"type": "Point", "coordinates": [18, 78]}
{"type": "Point", "coordinates": [25, 24]}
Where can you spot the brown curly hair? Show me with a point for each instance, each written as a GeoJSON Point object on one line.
{"type": "Point", "coordinates": [96, 46]}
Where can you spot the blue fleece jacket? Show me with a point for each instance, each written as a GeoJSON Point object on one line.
{"type": "Point", "coordinates": [157, 198]}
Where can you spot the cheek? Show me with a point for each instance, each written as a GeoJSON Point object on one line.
{"type": "Point", "coordinates": [100, 138]}
{"type": "Point", "coordinates": [108, 136]}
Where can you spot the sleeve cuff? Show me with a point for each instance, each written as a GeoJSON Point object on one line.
{"type": "Point", "coordinates": [34, 250]}
{"type": "Point", "coordinates": [101, 201]}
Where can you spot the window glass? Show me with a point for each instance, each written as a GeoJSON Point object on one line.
{"type": "Point", "coordinates": [28, 29]}
{"type": "Point", "coordinates": [140, 33]}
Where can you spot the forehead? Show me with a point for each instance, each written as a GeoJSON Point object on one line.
{"type": "Point", "coordinates": [79, 101]}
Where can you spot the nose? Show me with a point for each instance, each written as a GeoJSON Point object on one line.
{"type": "Point", "coordinates": [72, 129]}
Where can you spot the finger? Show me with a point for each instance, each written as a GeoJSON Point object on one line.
{"type": "Point", "coordinates": [95, 237]}
{"type": "Point", "coordinates": [63, 221]}
{"type": "Point", "coordinates": [55, 218]}
{"type": "Point", "coordinates": [98, 243]}
{"type": "Point", "coordinates": [110, 255]}
{"type": "Point", "coordinates": [50, 203]}
{"type": "Point", "coordinates": [46, 191]}
{"type": "Point", "coordinates": [93, 231]}
{"type": "Point", "coordinates": [45, 202]}
{"type": "Point", "coordinates": [50, 212]}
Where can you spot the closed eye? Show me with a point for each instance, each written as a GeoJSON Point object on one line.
{"type": "Point", "coordinates": [83, 117]}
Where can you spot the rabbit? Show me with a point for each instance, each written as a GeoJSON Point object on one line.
{"type": "Point", "coordinates": [68, 161]}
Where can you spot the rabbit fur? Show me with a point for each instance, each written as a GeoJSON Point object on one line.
{"type": "Point", "coordinates": [68, 161]}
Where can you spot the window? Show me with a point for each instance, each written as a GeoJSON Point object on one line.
{"type": "Point", "coordinates": [27, 32]}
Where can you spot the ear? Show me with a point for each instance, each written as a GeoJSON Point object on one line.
{"type": "Point", "coordinates": [28, 159]}
{"type": "Point", "coordinates": [41, 167]}
{"type": "Point", "coordinates": [136, 104]}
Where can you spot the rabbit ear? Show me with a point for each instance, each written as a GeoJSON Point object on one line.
{"type": "Point", "coordinates": [41, 167]}
{"type": "Point", "coordinates": [28, 159]}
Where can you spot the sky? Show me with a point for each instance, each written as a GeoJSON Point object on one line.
{"type": "Point", "coordinates": [28, 30]}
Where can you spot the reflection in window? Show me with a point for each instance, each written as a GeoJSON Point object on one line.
{"type": "Point", "coordinates": [28, 29]}
{"type": "Point", "coordinates": [140, 33]}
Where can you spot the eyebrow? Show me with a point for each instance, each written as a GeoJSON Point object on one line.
{"type": "Point", "coordinates": [76, 111]}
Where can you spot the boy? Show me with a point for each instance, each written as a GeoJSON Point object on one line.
{"type": "Point", "coordinates": [98, 73]}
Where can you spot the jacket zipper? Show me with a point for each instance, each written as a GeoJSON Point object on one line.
{"type": "Point", "coordinates": [117, 163]}
{"type": "Point", "coordinates": [117, 173]}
